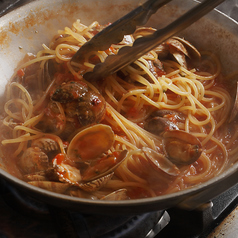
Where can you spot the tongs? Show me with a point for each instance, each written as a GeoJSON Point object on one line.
{"type": "Point", "coordinates": [114, 34]}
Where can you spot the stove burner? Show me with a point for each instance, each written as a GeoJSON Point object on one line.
{"type": "Point", "coordinates": [32, 215]}
{"type": "Point", "coordinates": [73, 224]}
{"type": "Point", "coordinates": [201, 222]}
{"type": "Point", "coordinates": [100, 226]}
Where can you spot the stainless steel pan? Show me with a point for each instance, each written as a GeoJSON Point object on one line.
{"type": "Point", "coordinates": [26, 28]}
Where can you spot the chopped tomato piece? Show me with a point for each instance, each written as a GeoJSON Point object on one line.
{"type": "Point", "coordinates": [109, 50]}
{"type": "Point", "coordinates": [20, 72]}
{"type": "Point", "coordinates": [66, 144]}
{"type": "Point", "coordinates": [59, 158]}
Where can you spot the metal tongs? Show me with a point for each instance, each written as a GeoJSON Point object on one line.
{"type": "Point", "coordinates": [114, 34]}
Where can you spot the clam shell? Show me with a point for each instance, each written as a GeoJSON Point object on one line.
{"type": "Point", "coordinates": [104, 167]}
{"type": "Point", "coordinates": [181, 147]}
{"type": "Point", "coordinates": [116, 196]}
{"type": "Point", "coordinates": [96, 184]}
{"type": "Point", "coordinates": [51, 186]}
{"type": "Point", "coordinates": [160, 162]}
{"type": "Point", "coordinates": [91, 143]}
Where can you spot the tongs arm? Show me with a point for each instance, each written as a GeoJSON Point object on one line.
{"type": "Point", "coordinates": [141, 46]}
{"type": "Point", "coordinates": [114, 33]}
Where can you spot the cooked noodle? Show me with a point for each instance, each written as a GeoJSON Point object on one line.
{"type": "Point", "coordinates": [131, 96]}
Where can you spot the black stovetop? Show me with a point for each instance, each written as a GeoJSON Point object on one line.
{"type": "Point", "coordinates": [25, 217]}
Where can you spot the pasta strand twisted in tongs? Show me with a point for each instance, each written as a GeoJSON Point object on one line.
{"type": "Point", "coordinates": [126, 25]}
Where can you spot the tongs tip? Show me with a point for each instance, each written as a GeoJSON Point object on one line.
{"type": "Point", "coordinates": [127, 25]}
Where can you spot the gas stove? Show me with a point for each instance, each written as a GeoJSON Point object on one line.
{"type": "Point", "coordinates": [25, 217]}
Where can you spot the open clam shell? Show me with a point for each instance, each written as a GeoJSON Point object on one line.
{"type": "Point", "coordinates": [51, 186]}
{"type": "Point", "coordinates": [160, 162]}
{"type": "Point", "coordinates": [118, 195]}
{"type": "Point", "coordinates": [104, 166]}
{"type": "Point", "coordinates": [96, 176]}
{"type": "Point", "coordinates": [181, 147]}
{"type": "Point", "coordinates": [96, 184]}
{"type": "Point", "coordinates": [91, 143]}
{"type": "Point", "coordinates": [192, 51]}
{"type": "Point", "coordinates": [235, 107]}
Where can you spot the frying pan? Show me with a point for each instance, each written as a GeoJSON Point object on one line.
{"type": "Point", "coordinates": [26, 28]}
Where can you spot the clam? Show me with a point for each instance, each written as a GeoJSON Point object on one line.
{"type": "Point", "coordinates": [104, 165]}
{"type": "Point", "coordinates": [178, 50]}
{"type": "Point", "coordinates": [95, 176]}
{"type": "Point", "coordinates": [45, 144]}
{"type": "Point", "coordinates": [96, 184]}
{"type": "Point", "coordinates": [162, 120]}
{"type": "Point", "coordinates": [143, 31]}
{"type": "Point", "coordinates": [157, 125]}
{"type": "Point", "coordinates": [91, 108]}
{"type": "Point", "coordinates": [88, 106]}
{"type": "Point", "coordinates": [193, 53]}
{"type": "Point", "coordinates": [176, 46]}
{"type": "Point", "coordinates": [33, 160]}
{"type": "Point", "coordinates": [101, 171]}
{"type": "Point", "coordinates": [235, 107]}
{"type": "Point", "coordinates": [87, 149]}
{"type": "Point", "coordinates": [35, 177]}
{"type": "Point", "coordinates": [68, 92]}
{"type": "Point", "coordinates": [91, 143]}
{"type": "Point", "coordinates": [43, 175]}
{"type": "Point", "coordinates": [160, 162]}
{"type": "Point", "coordinates": [117, 195]}
{"type": "Point", "coordinates": [180, 147]}
{"type": "Point", "coordinates": [66, 172]}
{"type": "Point", "coordinates": [178, 116]}
{"type": "Point", "coordinates": [51, 186]}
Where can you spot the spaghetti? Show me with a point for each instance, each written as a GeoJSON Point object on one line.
{"type": "Point", "coordinates": [132, 96]}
